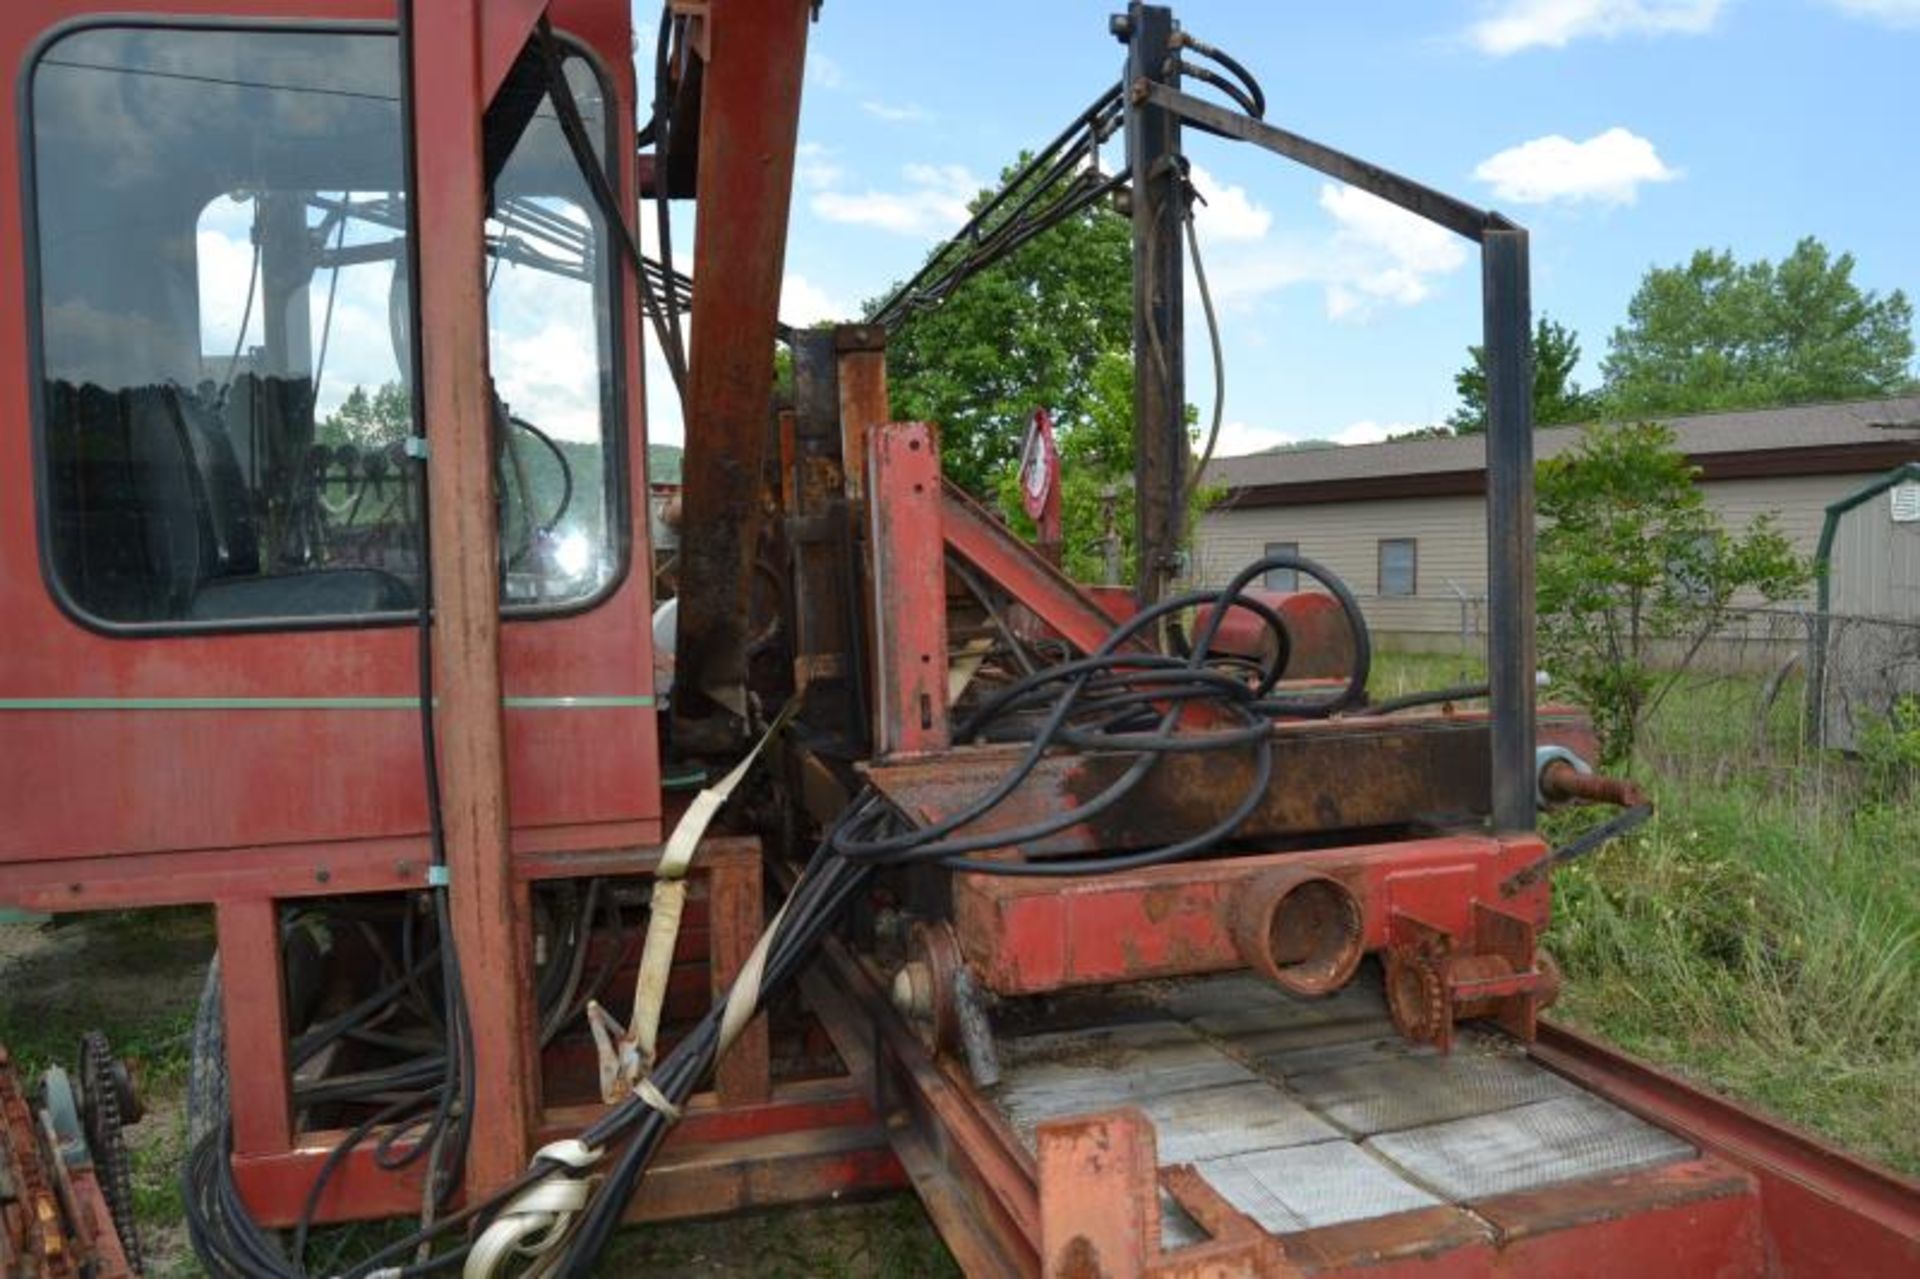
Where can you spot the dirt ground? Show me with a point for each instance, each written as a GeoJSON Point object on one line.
{"type": "Point", "coordinates": [137, 975]}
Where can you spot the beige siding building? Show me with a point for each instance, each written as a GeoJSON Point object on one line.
{"type": "Point", "coordinates": [1405, 523]}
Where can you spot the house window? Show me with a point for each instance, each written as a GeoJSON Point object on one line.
{"type": "Point", "coordinates": [1399, 565]}
{"type": "Point", "coordinates": [223, 318]}
{"type": "Point", "coordinates": [1282, 579]}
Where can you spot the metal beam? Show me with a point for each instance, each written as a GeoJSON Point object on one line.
{"type": "Point", "coordinates": [1159, 348]}
{"type": "Point", "coordinates": [749, 117]}
{"type": "Point", "coordinates": [446, 99]}
{"type": "Point", "coordinates": [1435, 206]}
{"type": "Point", "coordinates": [1510, 641]}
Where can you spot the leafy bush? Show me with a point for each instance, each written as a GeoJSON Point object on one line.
{"type": "Point", "coordinates": [1890, 751]}
{"type": "Point", "coordinates": [1636, 573]}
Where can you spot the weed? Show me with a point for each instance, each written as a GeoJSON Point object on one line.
{"type": "Point", "coordinates": [1762, 933]}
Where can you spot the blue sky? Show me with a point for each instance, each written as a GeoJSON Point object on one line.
{"type": "Point", "coordinates": [1623, 133]}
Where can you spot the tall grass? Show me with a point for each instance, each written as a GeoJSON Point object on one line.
{"type": "Point", "coordinates": [1762, 933]}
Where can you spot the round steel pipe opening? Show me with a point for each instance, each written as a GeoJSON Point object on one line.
{"type": "Point", "coordinates": [1300, 929]}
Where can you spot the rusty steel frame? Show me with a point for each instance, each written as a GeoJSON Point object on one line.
{"type": "Point", "coordinates": [1029, 936]}
{"type": "Point", "coordinates": [749, 118]}
{"type": "Point", "coordinates": [1759, 1200]}
{"type": "Point", "coordinates": [54, 1219]}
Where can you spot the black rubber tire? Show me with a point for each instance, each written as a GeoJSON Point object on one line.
{"type": "Point", "coordinates": [207, 1085]}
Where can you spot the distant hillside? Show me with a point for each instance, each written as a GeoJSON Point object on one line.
{"type": "Point", "coordinates": [663, 463]}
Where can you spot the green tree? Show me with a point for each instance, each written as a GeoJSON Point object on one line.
{"type": "Point", "coordinates": [1557, 398]}
{"type": "Point", "coordinates": [1716, 333]}
{"type": "Point", "coordinates": [1635, 573]}
{"type": "Point", "coordinates": [370, 421]}
{"type": "Point", "coordinates": [1025, 332]}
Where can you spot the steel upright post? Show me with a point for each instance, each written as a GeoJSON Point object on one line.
{"type": "Point", "coordinates": [1510, 640]}
{"type": "Point", "coordinates": [448, 207]}
{"type": "Point", "coordinates": [1159, 348]}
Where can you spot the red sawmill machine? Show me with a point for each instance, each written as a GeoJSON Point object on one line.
{"type": "Point", "coordinates": [1132, 933]}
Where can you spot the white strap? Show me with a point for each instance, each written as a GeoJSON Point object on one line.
{"type": "Point", "coordinates": [538, 1221]}
{"type": "Point", "coordinates": [626, 1058]}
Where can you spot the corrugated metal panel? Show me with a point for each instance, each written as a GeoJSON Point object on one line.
{"type": "Point", "coordinates": [1876, 564]}
{"type": "Point", "coordinates": [1872, 656]}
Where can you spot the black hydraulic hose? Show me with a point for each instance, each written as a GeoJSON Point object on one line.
{"type": "Point", "coordinates": [574, 129]}
{"type": "Point", "coordinates": [1207, 75]}
{"type": "Point", "coordinates": [1115, 699]}
{"type": "Point", "coordinates": [1238, 69]}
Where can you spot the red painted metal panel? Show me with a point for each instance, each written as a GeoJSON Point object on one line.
{"type": "Point", "coordinates": [1027, 936]}
{"type": "Point", "coordinates": [749, 119]}
{"type": "Point", "coordinates": [909, 589]}
{"type": "Point", "coordinates": [1825, 1212]}
{"type": "Point", "coordinates": [255, 1007]}
{"type": "Point", "coordinates": [1020, 570]}
{"type": "Point", "coordinates": [89, 783]}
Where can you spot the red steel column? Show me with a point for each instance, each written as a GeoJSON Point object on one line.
{"type": "Point", "coordinates": [908, 552]}
{"type": "Point", "coordinates": [749, 118]}
{"type": "Point", "coordinates": [449, 199]}
{"type": "Point", "coordinates": [254, 1001]}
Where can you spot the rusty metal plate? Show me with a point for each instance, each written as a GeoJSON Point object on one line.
{"type": "Point", "coordinates": [1211, 1122]}
{"type": "Point", "coordinates": [1306, 1113]}
{"type": "Point", "coordinates": [1081, 1072]}
{"type": "Point", "coordinates": [1299, 1187]}
{"type": "Point", "coordinates": [1411, 1092]}
{"type": "Point", "coordinates": [1568, 1138]}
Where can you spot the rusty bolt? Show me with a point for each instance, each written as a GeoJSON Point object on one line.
{"type": "Point", "coordinates": [1562, 781]}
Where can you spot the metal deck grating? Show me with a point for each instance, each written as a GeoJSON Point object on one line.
{"type": "Point", "coordinates": [1299, 1187]}
{"type": "Point", "coordinates": [1412, 1092]}
{"type": "Point", "coordinates": [1310, 1113]}
{"type": "Point", "coordinates": [1567, 1139]}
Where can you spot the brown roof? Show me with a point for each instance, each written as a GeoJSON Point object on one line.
{"type": "Point", "coordinates": [1807, 439]}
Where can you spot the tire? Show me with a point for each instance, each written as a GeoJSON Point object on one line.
{"type": "Point", "coordinates": [207, 1083]}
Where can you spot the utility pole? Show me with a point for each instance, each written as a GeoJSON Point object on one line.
{"type": "Point", "coordinates": [1159, 347]}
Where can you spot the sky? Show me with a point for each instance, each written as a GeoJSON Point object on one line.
{"type": "Point", "coordinates": [1624, 134]}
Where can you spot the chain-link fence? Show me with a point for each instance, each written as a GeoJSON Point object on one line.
{"type": "Point", "coordinates": [1786, 688]}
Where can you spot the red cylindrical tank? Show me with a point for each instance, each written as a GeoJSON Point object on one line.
{"type": "Point", "coordinates": [1321, 642]}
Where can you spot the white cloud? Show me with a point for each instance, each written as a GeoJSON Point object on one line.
{"type": "Point", "coordinates": [803, 302]}
{"type": "Point", "coordinates": [1228, 213]}
{"type": "Point", "coordinates": [934, 203]}
{"type": "Point", "coordinates": [895, 112]}
{"type": "Point", "coordinates": [1381, 253]}
{"type": "Point", "coordinates": [664, 423]}
{"type": "Point", "coordinates": [1368, 431]}
{"type": "Point", "coordinates": [824, 73]}
{"type": "Point", "coordinates": [1892, 13]}
{"type": "Point", "coordinates": [814, 168]}
{"type": "Point", "coordinates": [1607, 168]}
{"type": "Point", "coordinates": [1237, 439]}
{"type": "Point", "coordinates": [1373, 253]}
{"type": "Point", "coordinates": [1516, 25]}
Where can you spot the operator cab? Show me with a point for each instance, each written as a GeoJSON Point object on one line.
{"type": "Point", "coordinates": [225, 380]}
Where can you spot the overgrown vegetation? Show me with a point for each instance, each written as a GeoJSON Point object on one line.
{"type": "Point", "coordinates": [1636, 572]}
{"type": "Point", "coordinates": [1762, 932]}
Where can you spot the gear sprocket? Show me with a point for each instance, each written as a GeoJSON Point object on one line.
{"type": "Point", "coordinates": [108, 1102]}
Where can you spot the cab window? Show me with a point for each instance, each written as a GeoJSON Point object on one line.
{"type": "Point", "coordinates": [223, 334]}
